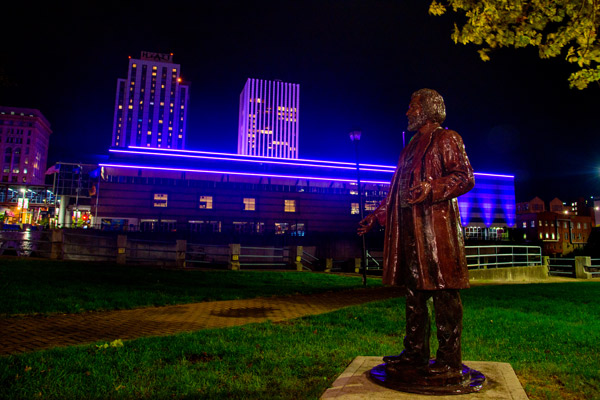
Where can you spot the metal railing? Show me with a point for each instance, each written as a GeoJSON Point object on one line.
{"type": "Point", "coordinates": [197, 253]}
{"type": "Point", "coordinates": [139, 250]}
{"type": "Point", "coordinates": [483, 257]}
{"type": "Point", "coordinates": [263, 256]}
{"type": "Point", "coordinates": [309, 259]}
{"type": "Point", "coordinates": [561, 266]}
{"type": "Point", "coordinates": [372, 262]}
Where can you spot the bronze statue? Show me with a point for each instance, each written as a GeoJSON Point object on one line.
{"type": "Point", "coordinates": [424, 247]}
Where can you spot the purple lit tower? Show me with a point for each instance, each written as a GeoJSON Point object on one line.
{"type": "Point", "coordinates": [151, 104]}
{"type": "Point", "coordinates": [24, 143]}
{"type": "Point", "coordinates": [269, 114]}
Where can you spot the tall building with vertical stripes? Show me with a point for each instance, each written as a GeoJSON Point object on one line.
{"type": "Point", "coordinates": [151, 104]}
{"type": "Point", "coordinates": [269, 119]}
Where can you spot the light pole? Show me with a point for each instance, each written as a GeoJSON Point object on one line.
{"type": "Point", "coordinates": [355, 137]}
{"type": "Point", "coordinates": [23, 207]}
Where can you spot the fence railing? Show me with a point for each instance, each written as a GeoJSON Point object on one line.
{"type": "Point", "coordinates": [484, 257]}
{"type": "Point", "coordinates": [198, 254]}
{"type": "Point", "coordinates": [577, 267]}
{"type": "Point", "coordinates": [561, 266]}
{"type": "Point", "coordinates": [263, 256]}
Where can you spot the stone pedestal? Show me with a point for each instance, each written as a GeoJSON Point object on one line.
{"type": "Point", "coordinates": [355, 384]}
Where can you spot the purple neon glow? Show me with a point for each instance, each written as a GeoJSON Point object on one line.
{"type": "Point", "coordinates": [240, 173]}
{"type": "Point", "coordinates": [465, 204]}
{"type": "Point", "coordinates": [494, 175]}
{"type": "Point", "coordinates": [240, 156]}
{"type": "Point", "coordinates": [284, 161]}
{"type": "Point", "coordinates": [266, 161]}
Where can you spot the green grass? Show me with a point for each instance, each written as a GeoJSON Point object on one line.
{"type": "Point", "coordinates": [38, 286]}
{"type": "Point", "coordinates": [550, 333]}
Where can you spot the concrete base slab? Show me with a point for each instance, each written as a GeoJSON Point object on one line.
{"type": "Point", "coordinates": [354, 384]}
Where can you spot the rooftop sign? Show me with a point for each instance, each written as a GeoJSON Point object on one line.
{"type": "Point", "coordinates": [146, 55]}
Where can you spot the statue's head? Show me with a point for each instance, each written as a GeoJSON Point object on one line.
{"type": "Point", "coordinates": [432, 108]}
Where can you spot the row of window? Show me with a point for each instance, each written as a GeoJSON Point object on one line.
{"type": "Point", "coordinates": [161, 200]}
{"type": "Point", "coordinates": [170, 225]}
{"type": "Point", "coordinates": [15, 123]}
{"type": "Point", "coordinates": [206, 203]}
{"type": "Point", "coordinates": [552, 236]}
{"type": "Point", "coordinates": [564, 224]}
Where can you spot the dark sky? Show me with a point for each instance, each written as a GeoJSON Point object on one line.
{"type": "Point", "coordinates": [357, 63]}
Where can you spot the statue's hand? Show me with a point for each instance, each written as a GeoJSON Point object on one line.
{"type": "Point", "coordinates": [366, 224]}
{"type": "Point", "coordinates": [418, 193]}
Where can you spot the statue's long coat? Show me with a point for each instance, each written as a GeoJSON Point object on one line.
{"type": "Point", "coordinates": [424, 246]}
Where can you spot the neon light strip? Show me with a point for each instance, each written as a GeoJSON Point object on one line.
{"type": "Point", "coordinates": [157, 150]}
{"type": "Point", "coordinates": [494, 175]}
{"type": "Point", "coordinates": [242, 160]}
{"type": "Point", "coordinates": [241, 173]}
{"type": "Point", "coordinates": [388, 168]}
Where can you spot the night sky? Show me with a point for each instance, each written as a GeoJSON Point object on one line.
{"type": "Point", "coordinates": [357, 63]}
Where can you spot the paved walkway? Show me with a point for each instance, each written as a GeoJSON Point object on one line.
{"type": "Point", "coordinates": [31, 333]}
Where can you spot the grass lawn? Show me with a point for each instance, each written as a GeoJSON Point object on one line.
{"type": "Point", "coordinates": [44, 286]}
{"type": "Point", "coordinates": [550, 333]}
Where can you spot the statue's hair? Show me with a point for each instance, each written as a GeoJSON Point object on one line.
{"type": "Point", "coordinates": [432, 104]}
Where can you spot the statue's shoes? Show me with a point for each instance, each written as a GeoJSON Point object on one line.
{"type": "Point", "coordinates": [402, 359]}
{"type": "Point", "coordinates": [439, 368]}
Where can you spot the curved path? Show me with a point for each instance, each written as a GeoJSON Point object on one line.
{"type": "Point", "coordinates": [31, 333]}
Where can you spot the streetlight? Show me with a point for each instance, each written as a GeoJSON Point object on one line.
{"type": "Point", "coordinates": [355, 137]}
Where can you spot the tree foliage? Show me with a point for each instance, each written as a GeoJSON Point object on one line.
{"type": "Point", "coordinates": [566, 28]}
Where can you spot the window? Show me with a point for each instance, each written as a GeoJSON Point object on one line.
{"type": "Point", "coordinates": [205, 226]}
{"type": "Point", "coordinates": [249, 204]}
{"type": "Point", "coordinates": [297, 229]}
{"type": "Point", "coordinates": [281, 228]}
{"type": "Point", "coordinates": [371, 205]}
{"type": "Point", "coordinates": [585, 225]}
{"type": "Point", "coordinates": [354, 208]}
{"type": "Point", "coordinates": [206, 202]}
{"type": "Point", "coordinates": [160, 199]}
{"type": "Point", "coordinates": [579, 225]}
{"type": "Point", "coordinates": [290, 206]}
{"type": "Point", "coordinates": [533, 224]}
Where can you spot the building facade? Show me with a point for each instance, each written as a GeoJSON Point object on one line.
{"type": "Point", "coordinates": [561, 230]}
{"type": "Point", "coordinates": [24, 138]}
{"type": "Point", "coordinates": [151, 104]}
{"type": "Point", "coordinates": [197, 191]}
{"type": "Point", "coordinates": [269, 119]}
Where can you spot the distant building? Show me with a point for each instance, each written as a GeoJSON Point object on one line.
{"type": "Point", "coordinates": [561, 230]}
{"type": "Point", "coordinates": [269, 119]}
{"type": "Point", "coordinates": [24, 138]}
{"type": "Point", "coordinates": [198, 191]}
{"type": "Point", "coordinates": [557, 206]}
{"type": "Point", "coordinates": [151, 104]}
{"type": "Point", "coordinates": [535, 205]}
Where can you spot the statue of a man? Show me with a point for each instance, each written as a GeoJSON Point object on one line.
{"type": "Point", "coordinates": [424, 247]}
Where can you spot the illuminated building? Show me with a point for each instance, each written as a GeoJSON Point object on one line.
{"type": "Point", "coordinates": [151, 104]}
{"type": "Point", "coordinates": [24, 137]}
{"type": "Point", "coordinates": [269, 119]}
{"type": "Point", "coordinates": [560, 230]}
{"type": "Point", "coordinates": [197, 191]}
